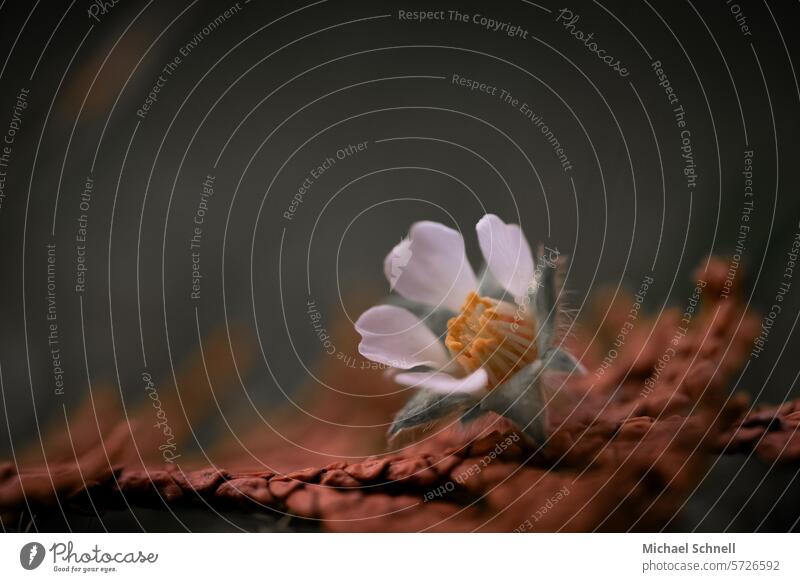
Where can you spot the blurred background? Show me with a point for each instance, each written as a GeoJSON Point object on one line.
{"type": "Point", "coordinates": [197, 198]}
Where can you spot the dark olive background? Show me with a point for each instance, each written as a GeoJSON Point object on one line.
{"type": "Point", "coordinates": [352, 72]}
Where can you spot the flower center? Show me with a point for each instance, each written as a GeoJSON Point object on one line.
{"type": "Point", "coordinates": [495, 335]}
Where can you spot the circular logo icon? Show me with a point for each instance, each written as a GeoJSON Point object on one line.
{"type": "Point", "coordinates": [31, 555]}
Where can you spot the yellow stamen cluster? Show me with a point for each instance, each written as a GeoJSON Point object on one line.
{"type": "Point", "coordinates": [495, 335]}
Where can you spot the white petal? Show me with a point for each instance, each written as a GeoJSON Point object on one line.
{"type": "Point", "coordinates": [507, 254]}
{"type": "Point", "coordinates": [445, 383]}
{"type": "Point", "coordinates": [431, 266]}
{"type": "Point", "coordinates": [394, 336]}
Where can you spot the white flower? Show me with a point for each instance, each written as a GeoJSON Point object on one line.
{"type": "Point", "coordinates": [487, 341]}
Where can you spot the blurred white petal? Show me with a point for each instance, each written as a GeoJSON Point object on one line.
{"type": "Point", "coordinates": [396, 337]}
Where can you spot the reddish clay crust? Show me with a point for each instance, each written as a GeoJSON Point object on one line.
{"type": "Point", "coordinates": [623, 458]}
